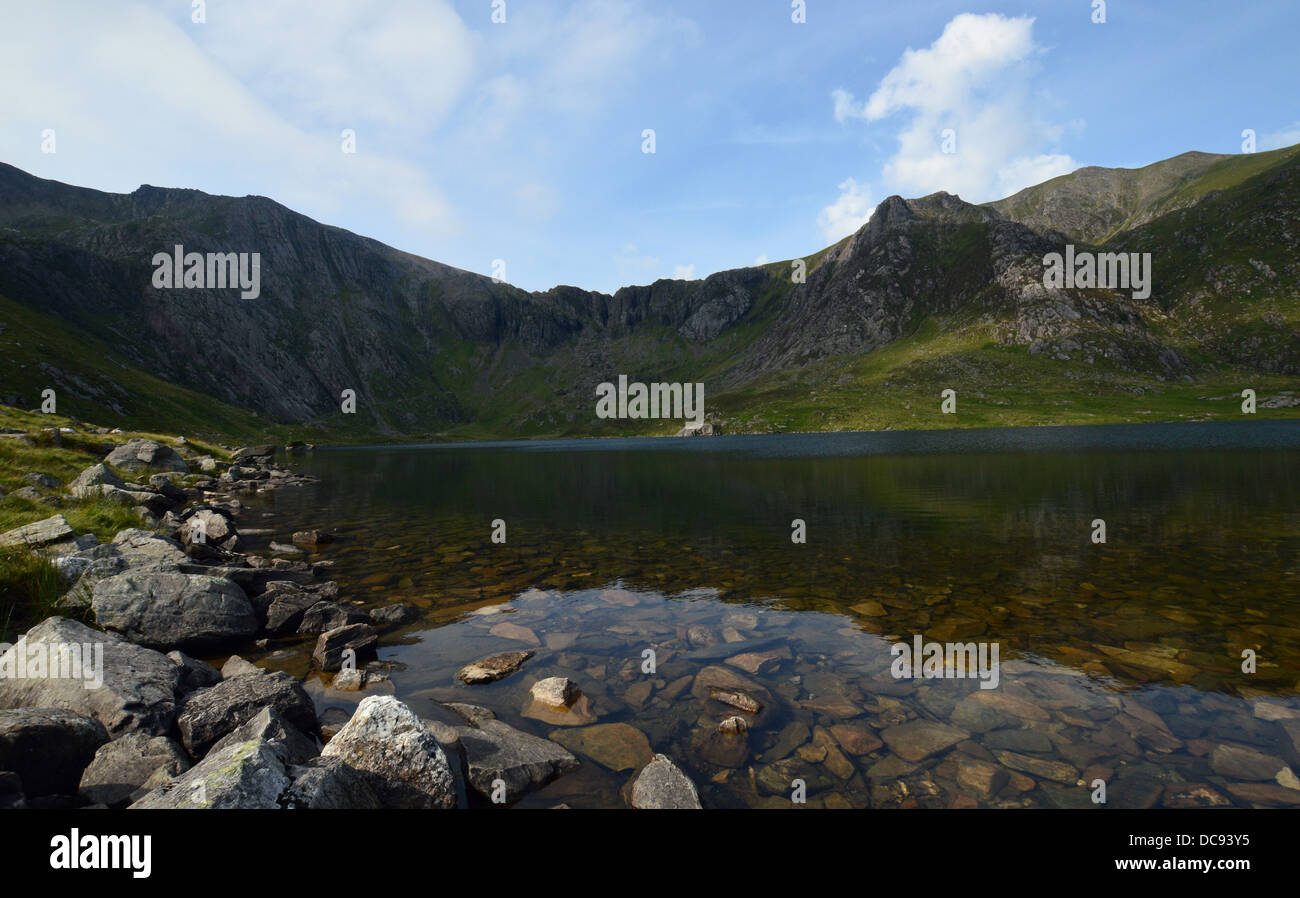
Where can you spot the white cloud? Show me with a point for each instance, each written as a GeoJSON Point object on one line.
{"type": "Point", "coordinates": [635, 267]}
{"type": "Point", "coordinates": [684, 272]}
{"type": "Point", "coordinates": [973, 84]}
{"type": "Point", "coordinates": [848, 213]}
{"type": "Point", "coordinates": [1278, 139]}
{"type": "Point", "coordinates": [761, 260]}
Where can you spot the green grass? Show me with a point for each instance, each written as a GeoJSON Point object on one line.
{"type": "Point", "coordinates": [29, 586]}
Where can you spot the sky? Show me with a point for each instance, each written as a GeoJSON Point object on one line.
{"type": "Point", "coordinates": [513, 137]}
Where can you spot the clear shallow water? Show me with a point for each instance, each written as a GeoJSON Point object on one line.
{"type": "Point", "coordinates": [1119, 661]}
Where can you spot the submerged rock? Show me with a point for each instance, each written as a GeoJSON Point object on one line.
{"type": "Point", "coordinates": [494, 750]}
{"type": "Point", "coordinates": [618, 746]}
{"type": "Point", "coordinates": [488, 670]}
{"type": "Point", "coordinates": [920, 739]}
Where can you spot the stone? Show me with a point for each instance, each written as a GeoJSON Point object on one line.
{"type": "Point", "coordinates": [48, 748]}
{"type": "Point", "coordinates": [329, 784]}
{"type": "Point", "coordinates": [558, 692]}
{"type": "Point", "coordinates": [38, 535]}
{"type": "Point", "coordinates": [349, 680]}
{"type": "Point", "coordinates": [89, 481]}
{"type": "Point", "coordinates": [721, 747]}
{"type": "Point", "coordinates": [145, 549]}
{"type": "Point", "coordinates": [920, 739]}
{"type": "Point", "coordinates": [661, 785]}
{"type": "Point", "coordinates": [311, 538]}
{"type": "Point", "coordinates": [618, 746]}
{"type": "Point", "coordinates": [145, 455]}
{"type": "Point", "coordinates": [242, 775]}
{"type": "Point", "coordinates": [396, 754]}
{"type": "Point", "coordinates": [495, 750]}
{"type": "Point", "coordinates": [726, 686]}
{"type": "Point", "coordinates": [324, 616]}
{"type": "Point", "coordinates": [122, 766]}
{"type": "Point", "coordinates": [1240, 762]}
{"type": "Point", "coordinates": [166, 609]}
{"type": "Point", "coordinates": [763, 662]}
{"type": "Point", "coordinates": [856, 738]}
{"type": "Point", "coordinates": [137, 693]}
{"type": "Point", "coordinates": [508, 630]}
{"type": "Point", "coordinates": [349, 643]}
{"type": "Point", "coordinates": [1056, 771]}
{"type": "Point", "coordinates": [283, 605]}
{"type": "Point", "coordinates": [392, 615]}
{"type": "Point", "coordinates": [209, 714]}
{"type": "Point", "coordinates": [236, 666]}
{"type": "Point", "coordinates": [980, 778]}
{"type": "Point", "coordinates": [488, 670]}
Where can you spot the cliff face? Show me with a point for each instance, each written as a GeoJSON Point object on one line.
{"type": "Point", "coordinates": [427, 346]}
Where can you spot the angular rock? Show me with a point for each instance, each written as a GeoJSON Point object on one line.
{"type": "Point", "coordinates": [662, 786]}
{"type": "Point", "coordinates": [242, 775]}
{"type": "Point", "coordinates": [163, 609]}
{"type": "Point", "coordinates": [289, 743]}
{"type": "Point", "coordinates": [137, 693]}
{"type": "Point", "coordinates": [1240, 762]}
{"type": "Point", "coordinates": [392, 615]}
{"type": "Point", "coordinates": [145, 455]}
{"type": "Point", "coordinates": [48, 748]}
{"type": "Point", "coordinates": [324, 616]}
{"type": "Point", "coordinates": [329, 784]}
{"type": "Point", "coordinates": [353, 642]}
{"type": "Point", "coordinates": [39, 534]}
{"type": "Point", "coordinates": [89, 481]}
{"type": "Point", "coordinates": [195, 674]}
{"type": "Point", "coordinates": [122, 766]}
{"type": "Point", "coordinates": [209, 714]}
{"type": "Point", "coordinates": [396, 754]}
{"type": "Point", "coordinates": [495, 750]}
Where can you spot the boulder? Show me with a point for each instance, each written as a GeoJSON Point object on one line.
{"type": "Point", "coordinates": [394, 751]}
{"type": "Point", "coordinates": [137, 693]}
{"type": "Point", "coordinates": [267, 725]}
{"type": "Point", "coordinates": [166, 609]}
{"type": "Point", "coordinates": [48, 748]}
{"type": "Point", "coordinates": [89, 482]}
{"type": "Point", "coordinates": [145, 455]}
{"type": "Point", "coordinates": [391, 615]}
{"type": "Point", "coordinates": [146, 549]}
{"type": "Point", "coordinates": [250, 453]}
{"type": "Point", "coordinates": [284, 604]}
{"type": "Point", "coordinates": [329, 784]}
{"type": "Point", "coordinates": [241, 775]}
{"type": "Point", "coordinates": [324, 616]}
{"type": "Point", "coordinates": [209, 714]}
{"type": "Point", "coordinates": [236, 666]}
{"type": "Point", "coordinates": [618, 746]}
{"type": "Point", "coordinates": [122, 766]}
{"type": "Point", "coordinates": [495, 750]}
{"type": "Point", "coordinates": [661, 785]}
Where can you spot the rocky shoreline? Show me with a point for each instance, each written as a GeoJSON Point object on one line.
{"type": "Point", "coordinates": [160, 728]}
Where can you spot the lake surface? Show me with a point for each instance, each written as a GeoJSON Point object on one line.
{"type": "Point", "coordinates": [1120, 661]}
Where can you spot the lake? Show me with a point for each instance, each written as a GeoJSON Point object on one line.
{"type": "Point", "coordinates": [1120, 662]}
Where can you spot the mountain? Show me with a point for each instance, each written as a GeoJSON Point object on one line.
{"type": "Point", "coordinates": [932, 293]}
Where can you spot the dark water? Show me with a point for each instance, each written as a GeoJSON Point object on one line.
{"type": "Point", "coordinates": [1120, 661]}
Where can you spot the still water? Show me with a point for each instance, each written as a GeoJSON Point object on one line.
{"type": "Point", "coordinates": [1120, 661]}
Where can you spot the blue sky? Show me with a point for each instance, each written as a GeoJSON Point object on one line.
{"type": "Point", "coordinates": [522, 141]}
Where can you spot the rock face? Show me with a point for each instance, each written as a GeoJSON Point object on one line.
{"type": "Point", "coordinates": [209, 714]}
{"type": "Point", "coordinates": [494, 750]}
{"type": "Point", "coordinates": [241, 775]}
{"type": "Point", "coordinates": [48, 748]}
{"type": "Point", "coordinates": [138, 689]}
{"type": "Point", "coordinates": [167, 610]}
{"type": "Point", "coordinates": [145, 455]}
{"type": "Point", "coordinates": [124, 765]}
{"type": "Point", "coordinates": [494, 668]}
{"type": "Point", "coordinates": [662, 786]}
{"type": "Point", "coordinates": [396, 754]}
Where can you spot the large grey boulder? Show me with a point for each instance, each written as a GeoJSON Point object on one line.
{"type": "Point", "coordinates": [661, 785]}
{"type": "Point", "coordinates": [122, 766]}
{"type": "Point", "coordinates": [241, 775]}
{"type": "Point", "coordinates": [145, 455]}
{"type": "Point", "coordinates": [284, 603]}
{"type": "Point", "coordinates": [495, 750]}
{"type": "Point", "coordinates": [168, 609]}
{"type": "Point", "coordinates": [400, 759]}
{"type": "Point", "coordinates": [48, 748]}
{"type": "Point", "coordinates": [209, 714]}
{"type": "Point", "coordinates": [137, 692]}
